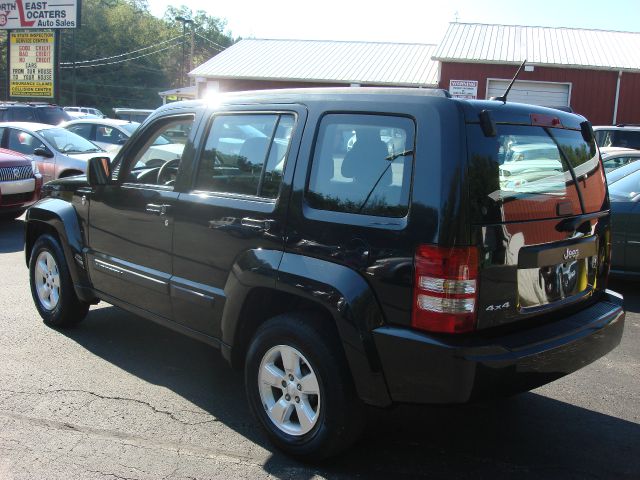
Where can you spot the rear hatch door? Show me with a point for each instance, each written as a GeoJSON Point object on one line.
{"type": "Point", "coordinates": [539, 209]}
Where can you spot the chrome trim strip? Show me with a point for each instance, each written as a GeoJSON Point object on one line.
{"type": "Point", "coordinates": [120, 271]}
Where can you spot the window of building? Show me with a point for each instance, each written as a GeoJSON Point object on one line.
{"type": "Point", "coordinates": [245, 154]}
{"type": "Point", "coordinates": [362, 164]}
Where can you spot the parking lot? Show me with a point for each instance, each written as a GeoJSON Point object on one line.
{"type": "Point", "coordinates": [120, 397]}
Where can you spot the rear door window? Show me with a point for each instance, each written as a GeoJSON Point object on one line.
{"type": "Point", "coordinates": [245, 154]}
{"type": "Point", "coordinates": [530, 172]}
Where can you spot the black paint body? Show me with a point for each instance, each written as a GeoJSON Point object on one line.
{"type": "Point", "coordinates": [213, 263]}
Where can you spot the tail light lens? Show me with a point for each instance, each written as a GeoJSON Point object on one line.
{"type": "Point", "coordinates": [445, 289]}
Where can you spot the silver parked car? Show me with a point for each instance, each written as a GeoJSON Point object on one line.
{"type": "Point", "coordinates": [111, 134]}
{"type": "Point", "coordinates": [57, 152]}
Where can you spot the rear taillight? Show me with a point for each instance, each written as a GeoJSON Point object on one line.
{"type": "Point", "coordinates": [445, 289]}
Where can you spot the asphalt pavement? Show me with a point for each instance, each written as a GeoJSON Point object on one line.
{"type": "Point", "coordinates": [119, 397]}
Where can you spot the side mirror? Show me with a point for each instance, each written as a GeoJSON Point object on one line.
{"type": "Point", "coordinates": [99, 171]}
{"type": "Point", "coordinates": [43, 152]}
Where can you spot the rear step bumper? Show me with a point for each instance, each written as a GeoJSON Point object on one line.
{"type": "Point", "coordinates": [421, 368]}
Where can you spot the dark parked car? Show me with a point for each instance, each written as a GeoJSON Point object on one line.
{"type": "Point", "coordinates": [20, 184]}
{"type": "Point", "coordinates": [338, 277]}
{"type": "Point", "coordinates": [624, 190]}
{"type": "Point", "coordinates": [32, 112]}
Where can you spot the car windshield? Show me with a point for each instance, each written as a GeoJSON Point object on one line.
{"type": "Point", "coordinates": [53, 115]}
{"type": "Point", "coordinates": [626, 188]}
{"type": "Point", "coordinates": [68, 142]}
{"type": "Point", "coordinates": [618, 138]}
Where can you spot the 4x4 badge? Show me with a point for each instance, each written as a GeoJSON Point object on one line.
{"type": "Point", "coordinates": [571, 254]}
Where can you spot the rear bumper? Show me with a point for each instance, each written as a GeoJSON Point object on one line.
{"type": "Point", "coordinates": [421, 368]}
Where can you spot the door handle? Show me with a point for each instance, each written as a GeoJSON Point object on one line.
{"type": "Point", "coordinates": [255, 224]}
{"type": "Point", "coordinates": [156, 209]}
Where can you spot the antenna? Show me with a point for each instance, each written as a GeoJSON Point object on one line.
{"type": "Point", "coordinates": [503, 97]}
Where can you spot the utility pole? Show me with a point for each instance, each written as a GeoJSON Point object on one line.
{"type": "Point", "coordinates": [184, 21]}
{"type": "Point", "coordinates": [193, 32]}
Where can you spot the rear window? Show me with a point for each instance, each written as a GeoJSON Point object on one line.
{"type": "Point", "coordinates": [53, 115]}
{"type": "Point", "coordinates": [618, 138]}
{"type": "Point", "coordinates": [527, 173]}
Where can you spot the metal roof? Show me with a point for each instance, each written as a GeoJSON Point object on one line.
{"type": "Point", "coordinates": [401, 64]}
{"type": "Point", "coordinates": [567, 47]}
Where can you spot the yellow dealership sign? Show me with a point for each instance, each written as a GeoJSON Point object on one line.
{"type": "Point", "coordinates": [31, 64]}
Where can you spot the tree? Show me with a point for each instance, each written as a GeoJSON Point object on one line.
{"type": "Point", "coordinates": [125, 55]}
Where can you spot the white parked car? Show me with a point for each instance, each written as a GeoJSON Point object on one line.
{"type": "Point", "coordinates": [84, 111]}
{"type": "Point", "coordinates": [615, 157]}
{"type": "Point", "coordinates": [57, 151]}
{"type": "Point", "coordinates": [111, 134]}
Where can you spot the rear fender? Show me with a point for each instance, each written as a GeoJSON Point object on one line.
{"type": "Point", "coordinates": [334, 288]}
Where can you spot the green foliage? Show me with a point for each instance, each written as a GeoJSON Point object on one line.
{"type": "Point", "coordinates": [112, 27]}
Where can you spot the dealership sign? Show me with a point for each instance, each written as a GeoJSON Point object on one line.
{"type": "Point", "coordinates": [31, 64]}
{"type": "Point", "coordinates": [463, 89]}
{"type": "Point", "coordinates": [18, 14]}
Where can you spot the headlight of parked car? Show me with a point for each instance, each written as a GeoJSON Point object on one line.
{"type": "Point", "coordinates": [34, 167]}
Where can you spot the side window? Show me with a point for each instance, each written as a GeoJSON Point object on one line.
{"type": "Point", "coordinates": [23, 115]}
{"type": "Point", "coordinates": [245, 154]}
{"type": "Point", "coordinates": [22, 142]}
{"type": "Point", "coordinates": [157, 163]}
{"type": "Point", "coordinates": [111, 135]}
{"type": "Point", "coordinates": [362, 164]}
{"type": "Point", "coordinates": [82, 129]}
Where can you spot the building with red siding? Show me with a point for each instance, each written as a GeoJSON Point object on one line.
{"type": "Point", "coordinates": [595, 72]}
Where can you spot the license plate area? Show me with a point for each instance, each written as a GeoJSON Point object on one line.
{"type": "Point", "coordinates": [548, 274]}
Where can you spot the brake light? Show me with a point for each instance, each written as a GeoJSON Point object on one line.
{"type": "Point", "coordinates": [445, 289]}
{"type": "Point", "coordinates": [542, 120]}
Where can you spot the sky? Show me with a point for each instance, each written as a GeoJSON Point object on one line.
{"type": "Point", "coordinates": [403, 20]}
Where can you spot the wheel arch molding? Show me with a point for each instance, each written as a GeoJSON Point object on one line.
{"type": "Point", "coordinates": [298, 283]}
{"type": "Point", "coordinates": [59, 217]}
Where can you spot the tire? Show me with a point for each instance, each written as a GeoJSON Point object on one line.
{"type": "Point", "coordinates": [307, 425]}
{"type": "Point", "coordinates": [51, 285]}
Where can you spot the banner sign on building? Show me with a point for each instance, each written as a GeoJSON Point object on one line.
{"type": "Point", "coordinates": [31, 64]}
{"type": "Point", "coordinates": [464, 89]}
{"type": "Point", "coordinates": [18, 14]}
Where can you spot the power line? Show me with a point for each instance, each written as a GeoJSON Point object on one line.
{"type": "Point", "coordinates": [66, 67]}
{"type": "Point", "coordinates": [122, 54]}
{"type": "Point", "coordinates": [220, 47]}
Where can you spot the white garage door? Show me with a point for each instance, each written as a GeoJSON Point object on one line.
{"type": "Point", "coordinates": [547, 94]}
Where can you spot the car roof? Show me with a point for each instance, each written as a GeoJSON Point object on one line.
{"type": "Point", "coordinates": [115, 122]}
{"type": "Point", "coordinates": [610, 151]}
{"type": "Point", "coordinates": [33, 126]}
{"type": "Point", "coordinates": [633, 128]}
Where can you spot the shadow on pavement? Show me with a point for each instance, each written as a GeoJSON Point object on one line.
{"type": "Point", "coordinates": [529, 436]}
{"type": "Point", "coordinates": [629, 289]}
{"type": "Point", "coordinates": [11, 236]}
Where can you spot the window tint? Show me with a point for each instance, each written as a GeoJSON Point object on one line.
{"type": "Point", "coordinates": [23, 142]}
{"type": "Point", "coordinates": [20, 114]}
{"type": "Point", "coordinates": [82, 129]}
{"type": "Point", "coordinates": [53, 115]}
{"type": "Point", "coordinates": [362, 164]}
{"type": "Point", "coordinates": [110, 135]}
{"type": "Point", "coordinates": [525, 171]}
{"type": "Point", "coordinates": [618, 138]}
{"type": "Point", "coordinates": [159, 164]}
{"type": "Point", "coordinates": [245, 154]}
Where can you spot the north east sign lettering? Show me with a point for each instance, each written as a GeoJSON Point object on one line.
{"type": "Point", "coordinates": [19, 14]}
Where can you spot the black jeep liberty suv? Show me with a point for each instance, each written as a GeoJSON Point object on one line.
{"type": "Point", "coordinates": [346, 247]}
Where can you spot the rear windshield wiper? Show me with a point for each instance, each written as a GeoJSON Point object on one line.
{"type": "Point", "coordinates": [404, 153]}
